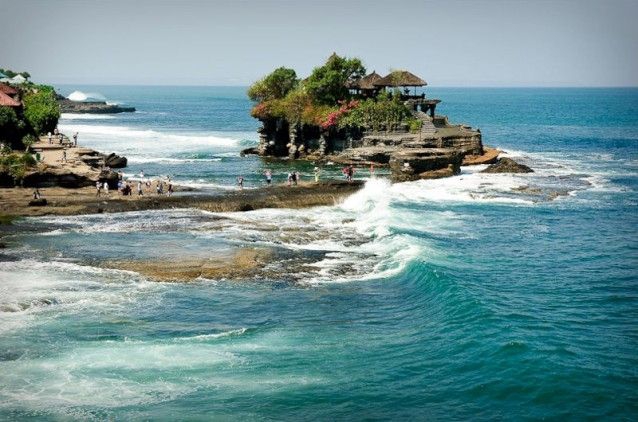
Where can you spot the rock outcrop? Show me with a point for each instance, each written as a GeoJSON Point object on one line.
{"type": "Point", "coordinates": [92, 107]}
{"type": "Point", "coordinates": [57, 176]}
{"type": "Point", "coordinates": [115, 161]}
{"type": "Point", "coordinates": [507, 165]}
{"type": "Point", "coordinates": [425, 163]}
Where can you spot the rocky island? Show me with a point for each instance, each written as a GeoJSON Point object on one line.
{"type": "Point", "coordinates": [91, 107]}
{"type": "Point", "coordinates": [341, 114]}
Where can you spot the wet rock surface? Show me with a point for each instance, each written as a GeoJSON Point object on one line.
{"type": "Point", "coordinates": [507, 165]}
{"type": "Point", "coordinates": [424, 163]}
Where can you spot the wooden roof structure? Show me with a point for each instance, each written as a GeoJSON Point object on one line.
{"type": "Point", "coordinates": [400, 78]}
{"type": "Point", "coordinates": [7, 101]}
{"type": "Point", "coordinates": [367, 82]}
{"type": "Point", "coordinates": [9, 90]}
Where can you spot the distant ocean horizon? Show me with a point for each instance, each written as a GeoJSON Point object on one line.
{"type": "Point", "coordinates": [480, 296]}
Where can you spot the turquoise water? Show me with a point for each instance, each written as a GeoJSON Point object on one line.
{"type": "Point", "coordinates": [473, 297]}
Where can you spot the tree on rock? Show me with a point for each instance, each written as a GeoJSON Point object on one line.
{"type": "Point", "coordinates": [327, 83]}
{"type": "Point", "coordinates": [274, 86]}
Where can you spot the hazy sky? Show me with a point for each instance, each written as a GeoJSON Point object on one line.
{"type": "Point", "coordinates": [448, 43]}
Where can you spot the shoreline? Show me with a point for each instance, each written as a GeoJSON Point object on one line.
{"type": "Point", "coordinates": [14, 202]}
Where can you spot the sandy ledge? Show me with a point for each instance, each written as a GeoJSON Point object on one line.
{"type": "Point", "coordinates": [63, 201]}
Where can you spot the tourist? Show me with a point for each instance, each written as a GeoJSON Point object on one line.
{"type": "Point", "coordinates": [36, 194]}
{"type": "Point", "coordinates": [119, 186]}
{"type": "Point", "coordinates": [75, 138]}
{"type": "Point", "coordinates": [289, 178]}
{"type": "Point", "coordinates": [371, 169]}
{"type": "Point", "coordinates": [170, 188]}
{"type": "Point", "coordinates": [240, 182]}
{"type": "Point", "coordinates": [160, 187]}
{"type": "Point", "coordinates": [139, 188]}
{"type": "Point", "coordinates": [348, 171]}
{"type": "Point", "coordinates": [268, 175]}
{"type": "Point", "coordinates": [142, 174]}
{"type": "Point", "coordinates": [317, 172]}
{"type": "Point", "coordinates": [106, 189]}
{"type": "Point", "coordinates": [98, 187]}
{"type": "Point", "coordinates": [296, 177]}
{"type": "Point", "coordinates": [64, 155]}
{"type": "Point", "coordinates": [50, 138]}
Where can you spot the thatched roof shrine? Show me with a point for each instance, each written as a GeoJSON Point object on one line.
{"type": "Point", "coordinates": [400, 78]}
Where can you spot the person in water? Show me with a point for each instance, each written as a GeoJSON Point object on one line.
{"type": "Point", "coordinates": [268, 175]}
{"type": "Point", "coordinates": [317, 172]}
{"type": "Point", "coordinates": [240, 182]}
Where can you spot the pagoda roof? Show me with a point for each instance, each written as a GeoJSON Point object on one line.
{"type": "Point", "coordinates": [400, 78]}
{"type": "Point", "coordinates": [367, 82]}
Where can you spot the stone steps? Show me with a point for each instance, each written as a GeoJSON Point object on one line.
{"type": "Point", "coordinates": [428, 127]}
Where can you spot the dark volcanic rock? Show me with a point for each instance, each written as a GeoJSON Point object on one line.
{"type": "Point", "coordinates": [507, 165]}
{"type": "Point", "coordinates": [6, 180]}
{"type": "Point", "coordinates": [249, 151]}
{"type": "Point", "coordinates": [424, 163]}
{"type": "Point", "coordinates": [41, 202]}
{"type": "Point", "coordinates": [110, 177]}
{"type": "Point", "coordinates": [94, 107]}
{"type": "Point", "coordinates": [115, 161]}
{"type": "Point", "coordinates": [54, 177]}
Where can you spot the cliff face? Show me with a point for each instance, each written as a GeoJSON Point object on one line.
{"type": "Point", "coordinates": [438, 145]}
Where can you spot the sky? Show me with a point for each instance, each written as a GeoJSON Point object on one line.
{"type": "Point", "coordinates": [225, 42]}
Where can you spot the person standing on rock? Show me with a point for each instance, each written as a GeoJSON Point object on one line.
{"type": "Point", "coordinates": [64, 155]}
{"type": "Point", "coordinates": [139, 188]}
{"type": "Point", "coordinates": [240, 182]}
{"type": "Point", "coordinates": [75, 138]}
{"type": "Point", "coordinates": [98, 188]}
{"type": "Point", "coordinates": [350, 172]}
{"type": "Point", "coordinates": [106, 189]}
{"type": "Point", "coordinates": [170, 188]}
{"type": "Point", "coordinates": [50, 138]}
{"type": "Point", "coordinates": [317, 172]}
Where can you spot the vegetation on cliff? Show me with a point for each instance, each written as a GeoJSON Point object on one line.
{"type": "Point", "coordinates": [15, 165]}
{"type": "Point", "coordinates": [323, 99]}
{"type": "Point", "coordinates": [39, 114]}
{"type": "Point", "coordinates": [41, 110]}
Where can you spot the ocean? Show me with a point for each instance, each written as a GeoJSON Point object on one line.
{"type": "Point", "coordinates": [481, 296]}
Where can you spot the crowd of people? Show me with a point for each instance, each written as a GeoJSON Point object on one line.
{"type": "Point", "coordinates": [294, 176]}
{"type": "Point", "coordinates": [59, 137]}
{"type": "Point", "coordinates": [145, 186]}
{"type": "Point", "coordinates": [142, 186]}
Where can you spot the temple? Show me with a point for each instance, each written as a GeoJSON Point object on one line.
{"type": "Point", "coordinates": [386, 120]}
{"type": "Point", "coordinates": [370, 85]}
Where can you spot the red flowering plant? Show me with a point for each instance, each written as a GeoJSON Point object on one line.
{"type": "Point", "coordinates": [261, 111]}
{"type": "Point", "coordinates": [332, 119]}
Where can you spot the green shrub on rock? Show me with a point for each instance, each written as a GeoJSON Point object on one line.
{"type": "Point", "coordinates": [41, 110]}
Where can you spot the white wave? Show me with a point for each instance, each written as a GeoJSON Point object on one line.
{"type": "Point", "coordinates": [206, 337]}
{"type": "Point", "coordinates": [85, 116]}
{"type": "Point", "coordinates": [144, 160]}
{"type": "Point", "coordinates": [32, 289]}
{"type": "Point", "coordinates": [86, 96]}
{"type": "Point", "coordinates": [144, 145]}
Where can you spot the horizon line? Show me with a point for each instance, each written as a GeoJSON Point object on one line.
{"type": "Point", "coordinates": [427, 86]}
